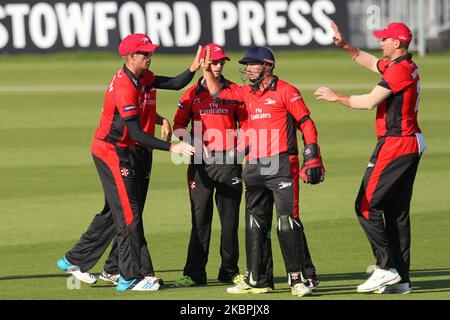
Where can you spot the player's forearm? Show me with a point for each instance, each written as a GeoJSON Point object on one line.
{"type": "Point", "coordinates": [353, 102]}
{"type": "Point", "coordinates": [370, 100]}
{"type": "Point", "coordinates": [343, 99]}
{"type": "Point", "coordinates": [212, 83]}
{"type": "Point", "coordinates": [144, 139]}
{"type": "Point", "coordinates": [352, 51]}
{"type": "Point", "coordinates": [367, 60]}
{"type": "Point", "coordinates": [363, 58]}
{"type": "Point", "coordinates": [363, 101]}
{"type": "Point", "coordinates": [174, 83]}
{"type": "Point", "coordinates": [309, 131]}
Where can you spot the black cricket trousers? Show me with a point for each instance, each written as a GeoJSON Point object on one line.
{"type": "Point", "coordinates": [383, 202]}
{"type": "Point", "coordinates": [228, 199]}
{"type": "Point", "coordinates": [124, 173]}
{"type": "Point", "coordinates": [274, 181]}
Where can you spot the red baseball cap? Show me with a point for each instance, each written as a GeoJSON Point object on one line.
{"type": "Point", "coordinates": [136, 42]}
{"type": "Point", "coordinates": [395, 30]}
{"type": "Point", "coordinates": [217, 52]}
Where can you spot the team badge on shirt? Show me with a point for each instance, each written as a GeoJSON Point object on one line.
{"type": "Point", "coordinates": [180, 105]}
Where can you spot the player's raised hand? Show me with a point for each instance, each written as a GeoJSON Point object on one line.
{"type": "Point", "coordinates": [324, 93]}
{"type": "Point", "coordinates": [182, 148]}
{"type": "Point", "coordinates": [338, 38]}
{"type": "Point", "coordinates": [197, 63]}
{"type": "Point", "coordinates": [207, 61]}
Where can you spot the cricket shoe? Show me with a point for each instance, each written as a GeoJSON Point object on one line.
{"type": "Point", "coordinates": [370, 269]}
{"type": "Point", "coordinates": [301, 289]}
{"type": "Point", "coordinates": [242, 288]}
{"type": "Point", "coordinates": [237, 279]}
{"type": "Point", "coordinates": [145, 284]}
{"type": "Point", "coordinates": [186, 281]}
{"type": "Point", "coordinates": [108, 277]}
{"type": "Point", "coordinates": [313, 284]}
{"type": "Point", "coordinates": [378, 279]}
{"type": "Point", "coordinates": [74, 270]}
{"type": "Point", "coordinates": [227, 279]}
{"type": "Point", "coordinates": [399, 288]}
{"type": "Point", "coordinates": [155, 279]}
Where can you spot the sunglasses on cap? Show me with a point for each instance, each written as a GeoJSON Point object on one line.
{"type": "Point", "coordinates": [144, 53]}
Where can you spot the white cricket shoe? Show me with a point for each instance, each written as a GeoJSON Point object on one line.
{"type": "Point", "coordinates": [74, 270]}
{"type": "Point", "coordinates": [370, 269]}
{"type": "Point", "coordinates": [400, 288]}
{"type": "Point", "coordinates": [300, 290]}
{"type": "Point", "coordinates": [109, 277]}
{"type": "Point", "coordinates": [85, 277]}
{"type": "Point", "coordinates": [378, 279]}
{"type": "Point", "coordinates": [147, 284]}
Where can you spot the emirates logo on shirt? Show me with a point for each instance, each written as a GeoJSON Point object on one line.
{"type": "Point", "coordinates": [213, 108]}
{"type": "Point", "coordinates": [260, 114]}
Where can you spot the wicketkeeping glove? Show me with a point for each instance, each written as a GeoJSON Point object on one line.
{"type": "Point", "coordinates": [312, 170]}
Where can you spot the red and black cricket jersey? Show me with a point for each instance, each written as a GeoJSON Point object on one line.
{"type": "Point", "coordinates": [147, 116]}
{"type": "Point", "coordinates": [218, 120]}
{"type": "Point", "coordinates": [127, 96]}
{"type": "Point", "coordinates": [397, 115]}
{"type": "Point", "coordinates": [273, 117]}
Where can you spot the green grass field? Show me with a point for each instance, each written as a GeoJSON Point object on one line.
{"type": "Point", "coordinates": [49, 188]}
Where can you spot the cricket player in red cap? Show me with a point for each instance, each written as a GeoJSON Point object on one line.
{"type": "Point", "coordinates": [214, 125]}
{"type": "Point", "coordinates": [121, 155]}
{"type": "Point", "coordinates": [383, 202]}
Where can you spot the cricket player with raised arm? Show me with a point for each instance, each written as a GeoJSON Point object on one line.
{"type": "Point", "coordinates": [123, 127]}
{"type": "Point", "coordinates": [215, 126]}
{"type": "Point", "coordinates": [383, 202]}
